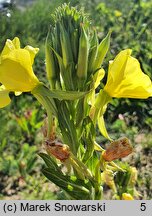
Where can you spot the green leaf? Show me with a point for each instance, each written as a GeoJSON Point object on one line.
{"type": "Point", "coordinates": [67, 124]}
{"type": "Point", "coordinates": [102, 51]}
{"type": "Point", "coordinates": [76, 189]}
{"type": "Point", "coordinates": [88, 138]}
{"type": "Point", "coordinates": [49, 161]}
{"type": "Point", "coordinates": [67, 95]}
{"type": "Point", "coordinates": [59, 94]}
{"type": "Point", "coordinates": [92, 163]}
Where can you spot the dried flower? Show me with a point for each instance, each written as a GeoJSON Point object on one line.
{"type": "Point", "coordinates": [118, 149]}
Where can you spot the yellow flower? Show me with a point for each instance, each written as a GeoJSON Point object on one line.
{"type": "Point", "coordinates": [16, 73]}
{"type": "Point", "coordinates": [126, 79]}
{"type": "Point", "coordinates": [4, 97]}
{"type": "Point", "coordinates": [117, 13]}
{"type": "Point", "coordinates": [127, 196]}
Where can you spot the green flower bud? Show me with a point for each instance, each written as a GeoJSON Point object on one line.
{"type": "Point", "coordinates": [65, 46]}
{"type": "Point", "coordinates": [82, 66]}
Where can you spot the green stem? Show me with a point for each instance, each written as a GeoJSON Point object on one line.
{"type": "Point", "coordinates": [40, 93]}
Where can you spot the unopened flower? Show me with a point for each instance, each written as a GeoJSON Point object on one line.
{"type": "Point", "coordinates": [126, 79]}
{"type": "Point", "coordinates": [16, 73]}
{"type": "Point", "coordinates": [57, 149]}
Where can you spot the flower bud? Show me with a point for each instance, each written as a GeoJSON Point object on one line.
{"type": "Point", "coordinates": [65, 46]}
{"type": "Point", "coordinates": [83, 55]}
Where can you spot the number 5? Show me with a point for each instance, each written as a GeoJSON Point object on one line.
{"type": "Point", "coordinates": [143, 206]}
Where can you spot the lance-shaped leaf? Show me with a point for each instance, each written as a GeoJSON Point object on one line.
{"type": "Point", "coordinates": [102, 51]}
{"type": "Point", "coordinates": [88, 138]}
{"type": "Point", "coordinates": [50, 162]}
{"type": "Point", "coordinates": [76, 189]}
{"type": "Point", "coordinates": [93, 52]}
{"type": "Point", "coordinates": [58, 94]}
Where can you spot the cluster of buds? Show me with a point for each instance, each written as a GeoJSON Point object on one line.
{"type": "Point", "coordinates": [73, 52]}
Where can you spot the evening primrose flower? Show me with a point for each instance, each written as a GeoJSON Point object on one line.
{"type": "Point", "coordinates": [16, 73]}
{"type": "Point", "coordinates": [126, 79]}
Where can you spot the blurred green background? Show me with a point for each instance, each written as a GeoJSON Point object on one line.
{"type": "Point", "coordinates": [21, 121]}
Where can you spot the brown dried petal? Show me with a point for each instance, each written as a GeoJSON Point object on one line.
{"type": "Point", "coordinates": [118, 149]}
{"type": "Point", "coordinates": [58, 150]}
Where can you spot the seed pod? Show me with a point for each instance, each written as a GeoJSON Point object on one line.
{"type": "Point", "coordinates": [102, 51]}
{"type": "Point", "coordinates": [118, 149]}
{"type": "Point", "coordinates": [83, 55]}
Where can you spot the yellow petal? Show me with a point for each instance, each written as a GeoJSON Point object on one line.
{"type": "Point", "coordinates": [135, 84]}
{"type": "Point", "coordinates": [17, 78]}
{"type": "Point", "coordinates": [8, 47]}
{"type": "Point", "coordinates": [126, 79]}
{"type": "Point", "coordinates": [16, 43]}
{"type": "Point", "coordinates": [32, 51]}
{"type": "Point", "coordinates": [20, 56]}
{"type": "Point", "coordinates": [116, 70]}
{"type": "Point", "coordinates": [16, 72]}
{"type": "Point", "coordinates": [4, 97]}
{"type": "Point", "coordinates": [127, 196]}
{"type": "Point", "coordinates": [18, 93]}
{"type": "Point", "coordinates": [11, 45]}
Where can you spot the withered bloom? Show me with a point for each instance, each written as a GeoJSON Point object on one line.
{"type": "Point", "coordinates": [57, 149]}
{"type": "Point", "coordinates": [118, 149]}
